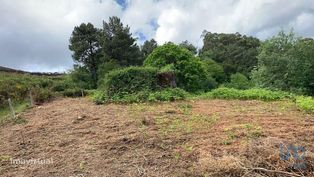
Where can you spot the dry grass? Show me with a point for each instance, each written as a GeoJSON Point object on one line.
{"type": "Point", "coordinates": [187, 138]}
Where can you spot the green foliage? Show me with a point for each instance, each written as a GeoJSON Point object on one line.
{"type": "Point", "coordinates": [85, 44]}
{"type": "Point", "coordinates": [214, 69]}
{"type": "Point", "coordinates": [106, 67]}
{"type": "Point", "coordinates": [63, 84]}
{"type": "Point", "coordinates": [18, 86]}
{"type": "Point", "coordinates": [5, 112]}
{"type": "Point", "coordinates": [169, 94]}
{"type": "Point", "coordinates": [74, 92]}
{"type": "Point", "coordinates": [235, 52]}
{"type": "Point", "coordinates": [250, 94]}
{"type": "Point", "coordinates": [42, 95]}
{"type": "Point", "coordinates": [286, 62]}
{"type": "Point", "coordinates": [190, 47]}
{"type": "Point", "coordinates": [239, 81]}
{"type": "Point", "coordinates": [81, 78]}
{"type": "Point", "coordinates": [118, 44]}
{"type": "Point", "coordinates": [129, 80]}
{"type": "Point", "coordinates": [305, 103]}
{"type": "Point", "coordinates": [148, 47]}
{"type": "Point", "coordinates": [191, 74]}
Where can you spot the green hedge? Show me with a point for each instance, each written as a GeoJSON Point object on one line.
{"type": "Point", "coordinates": [250, 94]}
{"type": "Point", "coordinates": [129, 81]}
{"type": "Point", "coordinates": [190, 72]}
{"type": "Point", "coordinates": [169, 94]}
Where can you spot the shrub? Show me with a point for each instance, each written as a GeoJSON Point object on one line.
{"type": "Point", "coordinates": [62, 84]}
{"type": "Point", "coordinates": [129, 80]}
{"type": "Point", "coordinates": [99, 97]}
{"type": "Point", "coordinates": [169, 94]}
{"type": "Point", "coordinates": [74, 92]}
{"type": "Point", "coordinates": [191, 74]}
{"type": "Point", "coordinates": [305, 103]}
{"type": "Point", "coordinates": [106, 67]}
{"type": "Point", "coordinates": [250, 94]}
{"type": "Point", "coordinates": [81, 77]}
{"type": "Point", "coordinates": [17, 86]}
{"type": "Point", "coordinates": [42, 95]}
{"type": "Point", "coordinates": [239, 81]}
{"type": "Point", "coordinates": [215, 70]}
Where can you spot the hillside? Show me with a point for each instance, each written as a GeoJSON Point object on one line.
{"type": "Point", "coordinates": [10, 70]}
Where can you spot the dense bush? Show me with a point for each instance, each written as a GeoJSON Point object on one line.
{"type": "Point", "coordinates": [169, 94]}
{"type": "Point", "coordinates": [305, 103]}
{"type": "Point", "coordinates": [214, 69]}
{"type": "Point", "coordinates": [285, 62]}
{"type": "Point", "coordinates": [42, 95]}
{"type": "Point", "coordinates": [129, 80]}
{"type": "Point", "coordinates": [18, 86]}
{"type": "Point", "coordinates": [74, 92]}
{"type": "Point", "coordinates": [239, 81]}
{"type": "Point", "coordinates": [250, 94]}
{"type": "Point", "coordinates": [106, 67]}
{"type": "Point", "coordinates": [62, 84]}
{"type": "Point", "coordinates": [81, 77]}
{"type": "Point", "coordinates": [191, 73]}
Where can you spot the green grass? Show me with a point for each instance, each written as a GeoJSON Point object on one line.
{"type": "Point", "coordinates": [168, 94]}
{"type": "Point", "coordinates": [250, 94]}
{"type": "Point", "coordinates": [305, 103]}
{"type": "Point", "coordinates": [5, 113]}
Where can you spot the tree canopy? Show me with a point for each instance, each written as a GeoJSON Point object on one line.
{"type": "Point", "coordinates": [118, 44]}
{"type": "Point", "coordinates": [236, 52]}
{"type": "Point", "coordinates": [84, 43]}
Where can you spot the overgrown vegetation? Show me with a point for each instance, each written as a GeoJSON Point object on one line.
{"type": "Point", "coordinates": [305, 103]}
{"type": "Point", "coordinates": [169, 94]}
{"type": "Point", "coordinates": [22, 88]}
{"type": "Point", "coordinates": [250, 94]}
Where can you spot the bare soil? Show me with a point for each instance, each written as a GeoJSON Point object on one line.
{"type": "Point", "coordinates": [188, 138]}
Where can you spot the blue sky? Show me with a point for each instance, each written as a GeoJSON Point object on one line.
{"type": "Point", "coordinates": [34, 34]}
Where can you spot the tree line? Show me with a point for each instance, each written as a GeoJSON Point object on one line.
{"type": "Point", "coordinates": [283, 62]}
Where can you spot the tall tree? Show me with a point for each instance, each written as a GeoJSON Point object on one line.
{"type": "Point", "coordinates": [190, 47]}
{"type": "Point", "coordinates": [235, 52]}
{"type": "Point", "coordinates": [84, 42]}
{"type": "Point", "coordinates": [148, 47]}
{"type": "Point", "coordinates": [118, 43]}
{"type": "Point", "coordinates": [286, 62]}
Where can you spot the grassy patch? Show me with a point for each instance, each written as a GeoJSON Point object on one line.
{"type": "Point", "coordinates": [5, 113]}
{"type": "Point", "coordinates": [250, 94]}
{"type": "Point", "coordinates": [305, 103]}
{"type": "Point", "coordinates": [185, 124]}
{"type": "Point", "coordinates": [169, 94]}
{"type": "Point", "coordinates": [247, 131]}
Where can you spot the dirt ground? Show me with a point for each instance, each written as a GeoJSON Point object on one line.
{"type": "Point", "coordinates": [188, 138]}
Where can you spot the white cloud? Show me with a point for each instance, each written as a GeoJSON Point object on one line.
{"type": "Point", "coordinates": [35, 33]}
{"type": "Point", "coordinates": [262, 18]}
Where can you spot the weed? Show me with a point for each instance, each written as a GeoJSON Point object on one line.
{"type": "Point", "coordinates": [250, 94]}
{"type": "Point", "coordinates": [185, 108]}
{"type": "Point", "coordinates": [305, 103]}
{"type": "Point", "coordinates": [82, 165]}
{"type": "Point", "coordinates": [235, 132]}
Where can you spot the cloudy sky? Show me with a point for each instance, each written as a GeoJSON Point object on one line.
{"type": "Point", "coordinates": [34, 34]}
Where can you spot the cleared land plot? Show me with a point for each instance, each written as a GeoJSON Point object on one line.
{"type": "Point", "coordinates": [188, 138]}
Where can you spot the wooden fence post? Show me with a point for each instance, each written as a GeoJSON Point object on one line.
{"type": "Point", "coordinates": [31, 98]}
{"type": "Point", "coordinates": [11, 107]}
